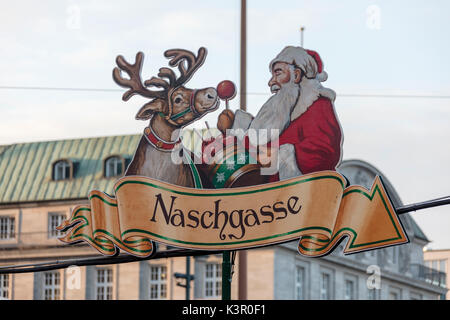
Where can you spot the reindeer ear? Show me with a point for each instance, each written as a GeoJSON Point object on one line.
{"type": "Point", "coordinates": [147, 110]}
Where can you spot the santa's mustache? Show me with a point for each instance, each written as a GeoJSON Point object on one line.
{"type": "Point", "coordinates": [275, 88]}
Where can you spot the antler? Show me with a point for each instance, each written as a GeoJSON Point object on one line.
{"type": "Point", "coordinates": [178, 57]}
{"type": "Point", "coordinates": [169, 74]}
{"type": "Point", "coordinates": [135, 82]}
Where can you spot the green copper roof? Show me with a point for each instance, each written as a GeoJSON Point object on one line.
{"type": "Point", "coordinates": [26, 168]}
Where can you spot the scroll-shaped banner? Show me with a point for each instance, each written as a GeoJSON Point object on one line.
{"type": "Point", "coordinates": [316, 208]}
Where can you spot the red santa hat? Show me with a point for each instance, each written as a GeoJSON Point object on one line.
{"type": "Point", "coordinates": [308, 61]}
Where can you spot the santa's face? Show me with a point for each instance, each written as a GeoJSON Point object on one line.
{"type": "Point", "coordinates": [275, 113]}
{"type": "Point", "coordinates": [282, 73]}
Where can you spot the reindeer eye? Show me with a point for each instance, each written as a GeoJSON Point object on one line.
{"type": "Point", "coordinates": [177, 100]}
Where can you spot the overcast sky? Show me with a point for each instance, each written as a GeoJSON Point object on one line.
{"type": "Point", "coordinates": [368, 48]}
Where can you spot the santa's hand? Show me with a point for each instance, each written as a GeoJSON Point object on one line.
{"type": "Point", "coordinates": [225, 120]}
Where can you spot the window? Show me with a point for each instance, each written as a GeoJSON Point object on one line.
{"type": "Point", "coordinates": [213, 280]}
{"type": "Point", "coordinates": [349, 290]}
{"type": "Point", "coordinates": [62, 170]}
{"type": "Point", "coordinates": [371, 253]}
{"type": "Point", "coordinates": [7, 228]}
{"type": "Point", "coordinates": [325, 286]}
{"type": "Point", "coordinates": [373, 294]}
{"type": "Point", "coordinates": [114, 166]}
{"type": "Point", "coordinates": [54, 219]}
{"type": "Point", "coordinates": [300, 283]}
{"type": "Point", "coordinates": [350, 287]}
{"type": "Point", "coordinates": [438, 265]}
{"type": "Point", "coordinates": [395, 294]}
{"type": "Point", "coordinates": [104, 284]}
{"type": "Point", "coordinates": [51, 285]}
{"type": "Point", "coordinates": [158, 282]}
{"type": "Point", "coordinates": [389, 252]}
{"type": "Point", "coordinates": [432, 264]}
{"type": "Point", "coordinates": [395, 255]}
{"type": "Point", "coordinates": [4, 287]}
{"type": "Point", "coordinates": [442, 265]}
{"type": "Point", "coordinates": [416, 296]}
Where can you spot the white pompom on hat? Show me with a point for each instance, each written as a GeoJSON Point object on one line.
{"type": "Point", "coordinates": [308, 61]}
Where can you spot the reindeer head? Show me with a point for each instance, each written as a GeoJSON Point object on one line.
{"type": "Point", "coordinates": [176, 103]}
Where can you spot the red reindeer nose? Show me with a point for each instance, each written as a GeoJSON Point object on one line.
{"type": "Point", "coordinates": [226, 90]}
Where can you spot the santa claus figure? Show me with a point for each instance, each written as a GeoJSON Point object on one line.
{"type": "Point", "coordinates": [301, 109]}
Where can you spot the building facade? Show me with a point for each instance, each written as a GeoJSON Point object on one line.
{"type": "Point", "coordinates": [41, 182]}
{"type": "Point", "coordinates": [437, 266]}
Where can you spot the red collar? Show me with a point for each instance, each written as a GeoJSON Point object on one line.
{"type": "Point", "coordinates": [157, 142]}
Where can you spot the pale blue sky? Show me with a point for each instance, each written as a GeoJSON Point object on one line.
{"type": "Point", "coordinates": [73, 44]}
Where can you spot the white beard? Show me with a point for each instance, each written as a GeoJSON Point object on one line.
{"type": "Point", "coordinates": [276, 112]}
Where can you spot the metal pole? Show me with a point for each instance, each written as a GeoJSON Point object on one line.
{"type": "Point", "coordinates": [95, 260]}
{"type": "Point", "coordinates": [242, 255]}
{"type": "Point", "coordinates": [188, 278]}
{"type": "Point", "coordinates": [423, 205]}
{"type": "Point", "coordinates": [242, 284]}
{"type": "Point", "coordinates": [243, 80]}
{"type": "Point", "coordinates": [226, 276]}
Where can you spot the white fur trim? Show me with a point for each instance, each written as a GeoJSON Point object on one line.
{"type": "Point", "coordinates": [242, 120]}
{"type": "Point", "coordinates": [322, 76]}
{"type": "Point", "coordinates": [310, 91]}
{"type": "Point", "coordinates": [288, 162]}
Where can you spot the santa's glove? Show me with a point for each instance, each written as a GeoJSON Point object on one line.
{"type": "Point", "coordinates": [225, 120]}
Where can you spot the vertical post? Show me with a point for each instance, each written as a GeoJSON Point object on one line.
{"type": "Point", "coordinates": [226, 276]}
{"type": "Point", "coordinates": [243, 80]}
{"type": "Point", "coordinates": [242, 284]}
{"type": "Point", "coordinates": [188, 278]}
{"type": "Point", "coordinates": [242, 255]}
{"type": "Point", "coordinates": [226, 264]}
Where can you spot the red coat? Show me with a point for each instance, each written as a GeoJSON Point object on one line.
{"type": "Point", "coordinates": [316, 136]}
